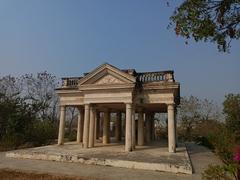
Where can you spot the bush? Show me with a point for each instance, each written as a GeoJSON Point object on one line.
{"type": "Point", "coordinates": [224, 172]}
{"type": "Point", "coordinates": [12, 141]}
{"type": "Point", "coordinates": [43, 132]}
{"type": "Point", "coordinates": [204, 141]}
{"type": "Point", "coordinates": [224, 142]}
{"type": "Point", "coordinates": [72, 136]}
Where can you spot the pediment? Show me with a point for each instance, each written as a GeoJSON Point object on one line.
{"type": "Point", "coordinates": [109, 79]}
{"type": "Point", "coordinates": [106, 75]}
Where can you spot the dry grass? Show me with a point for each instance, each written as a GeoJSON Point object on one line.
{"type": "Point", "coordinates": [8, 174]}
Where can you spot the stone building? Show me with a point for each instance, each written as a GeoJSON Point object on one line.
{"type": "Point", "coordinates": [107, 90]}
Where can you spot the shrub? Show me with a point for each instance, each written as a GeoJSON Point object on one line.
{"type": "Point", "coordinates": [42, 133]}
{"type": "Point", "coordinates": [12, 141]}
{"type": "Point", "coordinates": [72, 136]}
{"type": "Point", "coordinates": [217, 172]}
{"type": "Point", "coordinates": [224, 142]}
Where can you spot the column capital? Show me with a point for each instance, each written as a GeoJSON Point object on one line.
{"type": "Point", "coordinates": [62, 107]}
{"type": "Point", "coordinates": [129, 105]}
{"type": "Point", "coordinates": [86, 106]}
{"type": "Point", "coordinates": [93, 107]}
{"type": "Point", "coordinates": [171, 106]}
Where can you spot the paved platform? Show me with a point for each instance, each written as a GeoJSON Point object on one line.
{"type": "Point", "coordinates": [154, 156]}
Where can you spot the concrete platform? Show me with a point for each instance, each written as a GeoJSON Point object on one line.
{"type": "Point", "coordinates": [151, 157]}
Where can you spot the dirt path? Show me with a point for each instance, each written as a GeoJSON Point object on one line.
{"type": "Point", "coordinates": [200, 157]}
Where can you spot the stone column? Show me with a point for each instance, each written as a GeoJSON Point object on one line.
{"type": "Point", "coordinates": [133, 129]}
{"type": "Point", "coordinates": [123, 130]}
{"type": "Point", "coordinates": [101, 125]}
{"type": "Point", "coordinates": [140, 128]}
{"type": "Point", "coordinates": [97, 126]}
{"type": "Point", "coordinates": [175, 124]}
{"type": "Point", "coordinates": [118, 127]}
{"type": "Point", "coordinates": [152, 127]}
{"type": "Point", "coordinates": [61, 125]}
{"type": "Point", "coordinates": [171, 129]}
{"type": "Point", "coordinates": [106, 127]}
{"type": "Point", "coordinates": [80, 125]}
{"type": "Point", "coordinates": [86, 126]}
{"type": "Point", "coordinates": [92, 126]}
{"type": "Point", "coordinates": [128, 136]}
{"type": "Point", "coordinates": [148, 127]}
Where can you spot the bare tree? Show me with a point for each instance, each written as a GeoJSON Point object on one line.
{"type": "Point", "coordinates": [40, 92]}
{"type": "Point", "coordinates": [193, 111]}
{"type": "Point", "coordinates": [71, 116]}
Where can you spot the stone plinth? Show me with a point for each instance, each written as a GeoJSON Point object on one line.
{"type": "Point", "coordinates": [154, 157]}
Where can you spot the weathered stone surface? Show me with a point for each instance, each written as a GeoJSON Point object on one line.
{"type": "Point", "coordinates": [154, 157]}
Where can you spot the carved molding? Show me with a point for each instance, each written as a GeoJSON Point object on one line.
{"type": "Point", "coordinates": [108, 100]}
{"type": "Point", "coordinates": [109, 79]}
{"type": "Point", "coordinates": [103, 70]}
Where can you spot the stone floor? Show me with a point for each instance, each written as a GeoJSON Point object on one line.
{"type": "Point", "coordinates": [200, 157]}
{"type": "Point", "coordinates": [154, 156]}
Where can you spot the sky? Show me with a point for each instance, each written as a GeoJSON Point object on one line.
{"type": "Point", "coordinates": [70, 37]}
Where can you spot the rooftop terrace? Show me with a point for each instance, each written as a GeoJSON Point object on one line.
{"type": "Point", "coordinates": [141, 77]}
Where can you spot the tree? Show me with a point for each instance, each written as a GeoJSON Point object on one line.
{"type": "Point", "coordinates": [39, 91]}
{"type": "Point", "coordinates": [209, 110]}
{"type": "Point", "coordinates": [16, 118]}
{"type": "Point", "coordinates": [189, 115]}
{"type": "Point", "coordinates": [10, 86]}
{"type": "Point", "coordinates": [194, 113]}
{"type": "Point", "coordinates": [231, 107]}
{"type": "Point", "coordinates": [26, 106]}
{"type": "Point", "coordinates": [217, 21]}
{"type": "Point", "coordinates": [71, 114]}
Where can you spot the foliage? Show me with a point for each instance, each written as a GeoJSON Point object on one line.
{"type": "Point", "coordinates": [225, 141]}
{"type": "Point", "coordinates": [42, 131]}
{"type": "Point", "coordinates": [188, 116]}
{"type": "Point", "coordinates": [232, 111]}
{"type": "Point", "coordinates": [237, 155]}
{"type": "Point", "coordinates": [26, 114]}
{"type": "Point", "coordinates": [72, 136]}
{"type": "Point", "coordinates": [15, 120]}
{"type": "Point", "coordinates": [193, 113]}
{"type": "Point", "coordinates": [217, 172]}
{"type": "Point", "coordinates": [208, 20]}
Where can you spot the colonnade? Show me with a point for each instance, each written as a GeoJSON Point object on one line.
{"type": "Point", "coordinates": [88, 129]}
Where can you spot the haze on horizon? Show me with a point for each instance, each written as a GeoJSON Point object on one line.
{"type": "Point", "coordinates": [68, 38]}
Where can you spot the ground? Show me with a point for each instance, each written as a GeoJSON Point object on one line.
{"type": "Point", "coordinates": [200, 156]}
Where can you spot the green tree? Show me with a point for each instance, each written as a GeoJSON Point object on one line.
{"type": "Point", "coordinates": [27, 110]}
{"type": "Point", "coordinates": [16, 119]}
{"type": "Point", "coordinates": [217, 21]}
{"type": "Point", "coordinates": [232, 110]}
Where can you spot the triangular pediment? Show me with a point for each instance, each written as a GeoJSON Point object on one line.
{"type": "Point", "coordinates": [107, 74]}
{"type": "Point", "coordinates": [109, 79]}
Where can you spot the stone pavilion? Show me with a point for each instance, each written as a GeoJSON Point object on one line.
{"type": "Point", "coordinates": [133, 97]}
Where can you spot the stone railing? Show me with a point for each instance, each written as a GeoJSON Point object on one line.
{"type": "Point", "coordinates": [70, 81]}
{"type": "Point", "coordinates": [146, 77]}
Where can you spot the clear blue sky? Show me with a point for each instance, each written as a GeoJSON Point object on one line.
{"type": "Point", "coordinates": [69, 37]}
